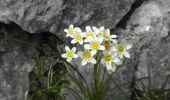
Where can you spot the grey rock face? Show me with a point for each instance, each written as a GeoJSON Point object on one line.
{"type": "Point", "coordinates": [33, 16]}
{"type": "Point", "coordinates": [54, 15]}
{"type": "Point", "coordinates": [15, 65]}
{"type": "Point", "coordinates": [147, 29]}
{"type": "Point", "coordinates": [45, 15]}
{"type": "Point", "coordinates": [17, 50]}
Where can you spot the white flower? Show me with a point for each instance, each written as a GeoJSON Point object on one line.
{"type": "Point", "coordinates": [78, 38]}
{"type": "Point", "coordinates": [95, 45]}
{"type": "Point", "coordinates": [72, 31]}
{"type": "Point", "coordinates": [111, 61]}
{"type": "Point", "coordinates": [100, 31]}
{"type": "Point", "coordinates": [108, 37]}
{"type": "Point", "coordinates": [122, 50]}
{"type": "Point", "coordinates": [89, 34]}
{"type": "Point", "coordinates": [70, 53]}
{"type": "Point", "coordinates": [86, 56]}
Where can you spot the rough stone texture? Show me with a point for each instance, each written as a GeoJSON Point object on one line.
{"type": "Point", "coordinates": [54, 15]}
{"type": "Point", "coordinates": [15, 64]}
{"type": "Point", "coordinates": [31, 15]}
{"type": "Point", "coordinates": [147, 29]}
{"type": "Point", "coordinates": [36, 16]}
{"type": "Point", "coordinates": [16, 59]}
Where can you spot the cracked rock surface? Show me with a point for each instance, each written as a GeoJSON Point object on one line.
{"type": "Point", "coordinates": [147, 29]}
{"type": "Point", "coordinates": [36, 16]}
{"type": "Point", "coordinates": [152, 28]}
{"type": "Point", "coordinates": [53, 15]}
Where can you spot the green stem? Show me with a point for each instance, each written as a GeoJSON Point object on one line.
{"type": "Point", "coordinates": [49, 77]}
{"type": "Point", "coordinates": [97, 76]}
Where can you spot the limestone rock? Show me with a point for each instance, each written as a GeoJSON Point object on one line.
{"type": "Point", "coordinates": [15, 66]}
{"type": "Point", "coordinates": [50, 16]}
{"type": "Point", "coordinates": [54, 15]}
{"type": "Point", "coordinates": [149, 27]}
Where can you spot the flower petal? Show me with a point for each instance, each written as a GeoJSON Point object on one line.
{"type": "Point", "coordinates": [100, 39]}
{"type": "Point", "coordinates": [80, 53]}
{"type": "Point", "coordinates": [73, 41]}
{"type": "Point", "coordinates": [88, 28]}
{"type": "Point", "coordinates": [128, 46]}
{"type": "Point", "coordinates": [113, 68]}
{"type": "Point", "coordinates": [101, 47]}
{"type": "Point", "coordinates": [94, 28]}
{"type": "Point", "coordinates": [86, 40]}
{"type": "Point", "coordinates": [107, 31]}
{"type": "Point", "coordinates": [119, 63]}
{"type": "Point", "coordinates": [113, 48]}
{"type": "Point", "coordinates": [67, 35]}
{"type": "Point", "coordinates": [73, 49]}
{"type": "Point", "coordinates": [93, 61]}
{"type": "Point", "coordinates": [71, 26]}
{"type": "Point", "coordinates": [114, 54]}
{"type": "Point", "coordinates": [116, 60]}
{"type": "Point", "coordinates": [69, 59]}
{"type": "Point", "coordinates": [114, 41]}
{"type": "Point", "coordinates": [93, 52]}
{"type": "Point", "coordinates": [64, 55]}
{"type": "Point", "coordinates": [102, 28]}
{"type": "Point", "coordinates": [126, 54]}
{"type": "Point", "coordinates": [114, 36]}
{"type": "Point", "coordinates": [72, 36]}
{"type": "Point", "coordinates": [96, 31]}
{"type": "Point", "coordinates": [82, 34]}
{"type": "Point", "coordinates": [84, 62]}
{"type": "Point", "coordinates": [78, 30]}
{"type": "Point", "coordinates": [81, 42]}
{"type": "Point", "coordinates": [67, 48]}
{"type": "Point", "coordinates": [75, 56]}
{"type": "Point", "coordinates": [108, 66]}
{"type": "Point", "coordinates": [66, 30]}
{"type": "Point", "coordinates": [120, 56]}
{"type": "Point", "coordinates": [87, 46]}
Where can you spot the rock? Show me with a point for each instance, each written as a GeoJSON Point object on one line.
{"type": "Point", "coordinates": [55, 15]}
{"type": "Point", "coordinates": [44, 16]}
{"type": "Point", "coordinates": [17, 50]}
{"type": "Point", "coordinates": [31, 15]}
{"type": "Point", "coordinates": [149, 30]}
{"type": "Point", "coordinates": [15, 66]}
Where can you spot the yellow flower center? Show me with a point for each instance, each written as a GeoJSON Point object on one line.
{"type": "Point", "coordinates": [70, 54]}
{"type": "Point", "coordinates": [95, 45]}
{"type": "Point", "coordinates": [87, 55]}
{"type": "Point", "coordinates": [121, 49]}
{"type": "Point", "coordinates": [90, 34]}
{"type": "Point", "coordinates": [78, 37]}
{"type": "Point", "coordinates": [108, 58]}
{"type": "Point", "coordinates": [71, 31]}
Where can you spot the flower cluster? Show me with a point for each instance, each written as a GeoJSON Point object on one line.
{"type": "Point", "coordinates": [95, 39]}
